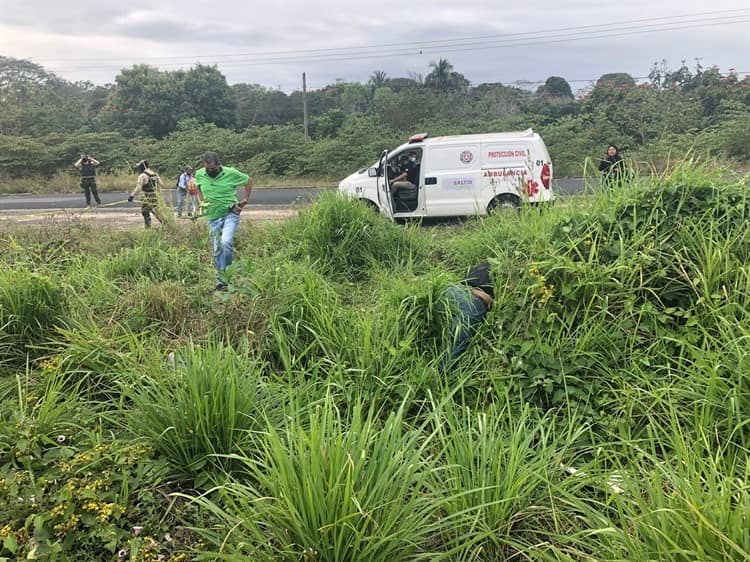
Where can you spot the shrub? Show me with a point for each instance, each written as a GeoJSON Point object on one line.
{"type": "Point", "coordinates": [200, 412]}
{"type": "Point", "coordinates": [154, 260]}
{"type": "Point", "coordinates": [330, 489]}
{"type": "Point", "coordinates": [31, 307]}
{"type": "Point", "coordinates": [345, 239]}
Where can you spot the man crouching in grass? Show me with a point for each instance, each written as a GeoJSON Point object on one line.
{"type": "Point", "coordinates": [217, 186]}
{"type": "Point", "coordinates": [468, 304]}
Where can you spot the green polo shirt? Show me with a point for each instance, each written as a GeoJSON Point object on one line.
{"type": "Point", "coordinates": [220, 193]}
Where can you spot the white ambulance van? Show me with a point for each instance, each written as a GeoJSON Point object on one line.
{"type": "Point", "coordinates": [457, 175]}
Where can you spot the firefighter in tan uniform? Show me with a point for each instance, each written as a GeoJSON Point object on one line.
{"type": "Point", "coordinates": [149, 183]}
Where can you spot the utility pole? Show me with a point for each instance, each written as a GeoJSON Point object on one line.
{"type": "Point", "coordinates": [304, 104]}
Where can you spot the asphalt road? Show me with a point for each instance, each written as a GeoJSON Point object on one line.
{"type": "Point", "coordinates": [261, 197]}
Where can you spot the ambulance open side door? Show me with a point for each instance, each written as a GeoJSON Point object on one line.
{"type": "Point", "coordinates": [383, 188]}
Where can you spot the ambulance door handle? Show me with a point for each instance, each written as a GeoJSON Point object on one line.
{"type": "Point", "coordinates": [430, 181]}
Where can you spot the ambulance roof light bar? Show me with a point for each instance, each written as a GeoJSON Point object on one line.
{"type": "Point", "coordinates": [418, 138]}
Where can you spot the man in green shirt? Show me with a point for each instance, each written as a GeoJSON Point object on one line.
{"type": "Point", "coordinates": [217, 186]}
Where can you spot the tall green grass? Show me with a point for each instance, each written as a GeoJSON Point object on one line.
{"type": "Point", "coordinates": [600, 413]}
{"type": "Point", "coordinates": [32, 306]}
{"type": "Point", "coordinates": [502, 495]}
{"type": "Point", "coordinates": [345, 239]}
{"type": "Point", "coordinates": [200, 412]}
{"type": "Point", "coordinates": [329, 488]}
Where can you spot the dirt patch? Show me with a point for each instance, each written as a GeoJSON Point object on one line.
{"type": "Point", "coordinates": [117, 219]}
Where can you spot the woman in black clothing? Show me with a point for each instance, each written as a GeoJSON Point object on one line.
{"type": "Point", "coordinates": [612, 167]}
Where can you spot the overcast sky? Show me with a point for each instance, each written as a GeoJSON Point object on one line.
{"type": "Point", "coordinates": [272, 43]}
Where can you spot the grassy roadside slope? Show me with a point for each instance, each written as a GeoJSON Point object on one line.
{"type": "Point", "coordinates": [599, 414]}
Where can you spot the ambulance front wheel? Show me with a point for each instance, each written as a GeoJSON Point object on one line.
{"type": "Point", "coordinates": [503, 202]}
{"type": "Point", "coordinates": [372, 205]}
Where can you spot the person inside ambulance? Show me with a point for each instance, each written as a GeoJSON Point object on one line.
{"type": "Point", "coordinates": [408, 179]}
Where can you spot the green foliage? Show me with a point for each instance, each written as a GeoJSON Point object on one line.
{"type": "Point", "coordinates": [34, 101]}
{"type": "Point", "coordinates": [150, 101]}
{"type": "Point", "coordinates": [556, 87]}
{"type": "Point", "coordinates": [94, 359]}
{"type": "Point", "coordinates": [611, 278]}
{"type": "Point", "coordinates": [77, 490]}
{"type": "Point", "coordinates": [51, 153]}
{"type": "Point", "coordinates": [600, 411]}
{"type": "Point", "coordinates": [691, 505]}
{"type": "Point", "coordinates": [496, 481]}
{"type": "Point", "coordinates": [442, 77]}
{"type": "Point", "coordinates": [77, 496]}
{"type": "Point", "coordinates": [616, 79]}
{"type": "Point", "coordinates": [32, 306]}
{"type": "Point", "coordinates": [345, 238]}
{"type": "Point", "coordinates": [306, 319]}
{"type": "Point", "coordinates": [571, 139]}
{"type": "Point", "coordinates": [155, 261]}
{"type": "Point", "coordinates": [330, 488]}
{"type": "Point", "coordinates": [199, 413]}
{"type": "Point", "coordinates": [421, 313]}
{"type": "Point", "coordinates": [256, 106]}
{"type": "Point", "coordinates": [173, 117]}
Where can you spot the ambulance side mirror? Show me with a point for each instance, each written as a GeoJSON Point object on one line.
{"type": "Point", "coordinates": [372, 172]}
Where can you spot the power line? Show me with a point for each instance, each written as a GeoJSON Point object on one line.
{"type": "Point", "coordinates": [599, 33]}
{"type": "Point", "coordinates": [426, 44]}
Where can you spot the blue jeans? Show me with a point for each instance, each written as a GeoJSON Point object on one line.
{"type": "Point", "coordinates": [467, 311]}
{"type": "Point", "coordinates": [181, 193]}
{"type": "Point", "coordinates": [221, 231]}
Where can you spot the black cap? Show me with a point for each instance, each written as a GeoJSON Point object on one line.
{"type": "Point", "coordinates": [479, 277]}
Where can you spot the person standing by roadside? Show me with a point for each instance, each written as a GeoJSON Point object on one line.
{"type": "Point", "coordinates": [194, 198]}
{"type": "Point", "coordinates": [149, 182]}
{"type": "Point", "coordinates": [218, 190]}
{"type": "Point", "coordinates": [182, 189]}
{"type": "Point", "coordinates": [612, 167]}
{"type": "Point", "coordinates": [87, 165]}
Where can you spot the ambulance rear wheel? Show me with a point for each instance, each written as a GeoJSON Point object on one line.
{"type": "Point", "coordinates": [503, 202]}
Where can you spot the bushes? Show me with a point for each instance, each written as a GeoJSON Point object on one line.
{"type": "Point", "coordinates": [601, 410]}
{"type": "Point", "coordinates": [155, 261]}
{"type": "Point", "coordinates": [31, 307]}
{"type": "Point", "coordinates": [199, 413]}
{"type": "Point", "coordinates": [330, 488]}
{"type": "Point", "coordinates": [44, 156]}
{"type": "Point", "coordinates": [345, 239]}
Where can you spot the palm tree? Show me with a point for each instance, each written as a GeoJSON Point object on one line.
{"type": "Point", "coordinates": [378, 79]}
{"type": "Point", "coordinates": [440, 76]}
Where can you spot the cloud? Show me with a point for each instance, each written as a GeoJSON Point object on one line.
{"type": "Point", "coordinates": [273, 44]}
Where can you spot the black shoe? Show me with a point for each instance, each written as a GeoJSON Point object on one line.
{"type": "Point", "coordinates": [220, 287]}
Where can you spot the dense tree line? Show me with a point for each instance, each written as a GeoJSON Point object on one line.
{"type": "Point", "coordinates": [171, 117]}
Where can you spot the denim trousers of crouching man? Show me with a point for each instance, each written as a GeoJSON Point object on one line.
{"type": "Point", "coordinates": [467, 311]}
{"type": "Point", "coordinates": [221, 231]}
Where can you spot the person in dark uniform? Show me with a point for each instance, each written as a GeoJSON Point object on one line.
{"type": "Point", "coordinates": [87, 167]}
{"type": "Point", "coordinates": [409, 176]}
{"type": "Point", "coordinates": [149, 182]}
